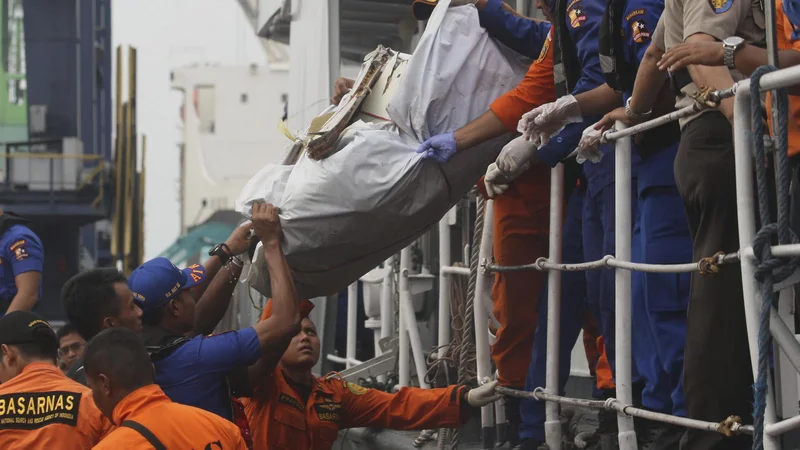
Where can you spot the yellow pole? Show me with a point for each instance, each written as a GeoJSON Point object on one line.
{"type": "Point", "coordinates": [142, 178]}
{"type": "Point", "coordinates": [128, 264]}
{"type": "Point", "coordinates": [119, 157]}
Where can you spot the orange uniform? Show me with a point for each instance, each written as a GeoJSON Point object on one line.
{"type": "Point", "coordinates": [176, 426]}
{"type": "Point", "coordinates": [43, 409]}
{"type": "Point", "coordinates": [785, 42]}
{"type": "Point", "coordinates": [281, 418]}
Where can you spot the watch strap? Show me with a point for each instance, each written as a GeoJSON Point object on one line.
{"type": "Point", "coordinates": [219, 250]}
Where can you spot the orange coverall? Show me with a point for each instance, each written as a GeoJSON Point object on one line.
{"type": "Point", "coordinates": [176, 426]}
{"type": "Point", "coordinates": [43, 409]}
{"type": "Point", "coordinates": [281, 419]}
{"type": "Point", "coordinates": [521, 235]}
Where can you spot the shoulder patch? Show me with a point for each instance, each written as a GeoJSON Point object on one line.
{"type": "Point", "coordinates": [640, 33]}
{"type": "Point", "coordinates": [356, 389]}
{"type": "Point", "coordinates": [287, 399]}
{"type": "Point", "coordinates": [720, 6]}
{"type": "Point", "coordinates": [634, 13]}
{"type": "Point", "coordinates": [19, 250]}
{"type": "Point", "coordinates": [29, 411]}
{"type": "Point", "coordinates": [575, 14]}
{"type": "Point", "coordinates": [545, 49]}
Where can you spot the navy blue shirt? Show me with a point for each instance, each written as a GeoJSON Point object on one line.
{"type": "Point", "coordinates": [195, 373]}
{"type": "Point", "coordinates": [524, 36]}
{"type": "Point", "coordinates": [20, 251]}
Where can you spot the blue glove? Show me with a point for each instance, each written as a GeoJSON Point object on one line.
{"type": "Point", "coordinates": [440, 147]}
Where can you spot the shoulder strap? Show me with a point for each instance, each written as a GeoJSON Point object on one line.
{"type": "Point", "coordinates": [619, 73]}
{"type": "Point", "coordinates": [566, 66]}
{"type": "Point", "coordinates": [146, 433]}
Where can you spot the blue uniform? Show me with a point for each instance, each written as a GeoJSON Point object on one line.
{"type": "Point", "coordinates": [20, 251]}
{"type": "Point", "coordinates": [659, 321]}
{"type": "Point", "coordinates": [524, 36]}
{"type": "Point", "coordinates": [195, 373]}
{"type": "Point", "coordinates": [573, 310]}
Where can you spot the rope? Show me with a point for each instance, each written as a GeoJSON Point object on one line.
{"type": "Point", "coordinates": [465, 375]}
{"type": "Point", "coordinates": [770, 269]}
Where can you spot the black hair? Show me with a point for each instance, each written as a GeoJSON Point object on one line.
{"type": "Point", "coordinates": [65, 331]}
{"type": "Point", "coordinates": [119, 354]}
{"type": "Point", "coordinates": [45, 347]}
{"type": "Point", "coordinates": [89, 297]}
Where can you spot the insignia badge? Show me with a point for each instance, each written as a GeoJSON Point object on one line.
{"type": "Point", "coordinates": [639, 31]}
{"type": "Point", "coordinates": [576, 15]}
{"type": "Point", "coordinates": [720, 6]}
{"type": "Point", "coordinates": [356, 389]}
{"type": "Point", "coordinates": [545, 49]}
{"type": "Point", "coordinates": [20, 253]}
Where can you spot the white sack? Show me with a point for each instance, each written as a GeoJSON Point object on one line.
{"type": "Point", "coordinates": [345, 214]}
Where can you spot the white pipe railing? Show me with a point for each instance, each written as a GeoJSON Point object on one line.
{"type": "Point", "coordinates": [481, 315]}
{"type": "Point", "coordinates": [404, 370]}
{"type": "Point", "coordinates": [444, 286]}
{"type": "Point", "coordinates": [352, 316]}
{"type": "Point", "coordinates": [552, 424]}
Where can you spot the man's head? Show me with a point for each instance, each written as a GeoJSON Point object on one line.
{"type": "Point", "coordinates": [116, 364]}
{"type": "Point", "coordinates": [303, 351]}
{"type": "Point", "coordinates": [25, 338]}
{"type": "Point", "coordinates": [70, 345]}
{"type": "Point", "coordinates": [162, 291]}
{"type": "Point", "coordinates": [98, 299]}
{"type": "Point", "coordinates": [548, 8]}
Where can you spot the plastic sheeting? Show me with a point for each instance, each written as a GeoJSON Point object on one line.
{"type": "Point", "coordinates": [345, 214]}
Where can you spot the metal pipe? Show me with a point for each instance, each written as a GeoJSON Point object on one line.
{"type": "Point", "coordinates": [481, 319]}
{"type": "Point", "coordinates": [616, 405]}
{"type": "Point", "coordinates": [411, 329]}
{"type": "Point", "coordinates": [619, 133]}
{"type": "Point", "coordinates": [444, 286]}
{"type": "Point", "coordinates": [387, 305]}
{"type": "Point", "coordinates": [786, 425]}
{"type": "Point", "coordinates": [450, 270]}
{"type": "Point", "coordinates": [747, 229]}
{"type": "Point", "coordinates": [352, 310]}
{"type": "Point", "coordinates": [346, 361]}
{"type": "Point", "coordinates": [622, 280]}
{"type": "Point", "coordinates": [404, 371]}
{"type": "Point", "coordinates": [552, 424]}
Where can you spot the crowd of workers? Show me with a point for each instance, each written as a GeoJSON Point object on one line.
{"type": "Point", "coordinates": [137, 365]}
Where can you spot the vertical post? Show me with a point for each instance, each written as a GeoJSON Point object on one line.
{"type": "Point", "coordinates": [444, 285]}
{"type": "Point", "coordinates": [119, 157]}
{"type": "Point", "coordinates": [334, 48]}
{"type": "Point", "coordinates": [405, 295]}
{"type": "Point", "coordinates": [352, 309]}
{"type": "Point", "coordinates": [142, 184]}
{"type": "Point", "coordinates": [552, 424]}
{"type": "Point", "coordinates": [622, 280]}
{"type": "Point", "coordinates": [745, 207]}
{"type": "Point", "coordinates": [387, 305]}
{"type": "Point", "coordinates": [411, 330]}
{"type": "Point", "coordinates": [481, 320]}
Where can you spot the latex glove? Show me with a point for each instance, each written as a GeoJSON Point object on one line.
{"type": "Point", "coordinates": [516, 156]}
{"type": "Point", "coordinates": [440, 147]}
{"type": "Point", "coordinates": [546, 121]}
{"type": "Point", "coordinates": [589, 145]}
{"type": "Point", "coordinates": [495, 180]}
{"type": "Point", "coordinates": [483, 395]}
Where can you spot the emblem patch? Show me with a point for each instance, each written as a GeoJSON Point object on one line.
{"type": "Point", "coordinates": [356, 389]}
{"type": "Point", "coordinates": [640, 32]}
{"type": "Point", "coordinates": [37, 410]}
{"type": "Point", "coordinates": [720, 6]}
{"type": "Point", "coordinates": [545, 49]}
{"type": "Point", "coordinates": [328, 411]}
{"type": "Point", "coordinates": [19, 250]}
{"type": "Point", "coordinates": [576, 15]}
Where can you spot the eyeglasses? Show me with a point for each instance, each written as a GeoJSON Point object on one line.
{"type": "Point", "coordinates": [75, 347]}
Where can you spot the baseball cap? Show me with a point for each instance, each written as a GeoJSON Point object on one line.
{"type": "Point", "coordinates": [305, 309]}
{"type": "Point", "coordinates": [24, 327]}
{"type": "Point", "coordinates": [422, 9]}
{"type": "Point", "coordinates": [158, 281]}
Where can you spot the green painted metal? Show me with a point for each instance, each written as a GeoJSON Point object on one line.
{"type": "Point", "coordinates": [196, 243]}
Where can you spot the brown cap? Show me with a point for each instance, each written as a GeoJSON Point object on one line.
{"type": "Point", "coordinates": [305, 309]}
{"type": "Point", "coordinates": [422, 9]}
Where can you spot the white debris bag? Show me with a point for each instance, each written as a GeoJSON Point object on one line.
{"type": "Point", "coordinates": [345, 214]}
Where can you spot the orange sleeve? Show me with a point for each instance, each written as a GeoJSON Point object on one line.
{"type": "Point", "coordinates": [536, 89]}
{"type": "Point", "coordinates": [408, 409]}
{"type": "Point", "coordinates": [305, 309]}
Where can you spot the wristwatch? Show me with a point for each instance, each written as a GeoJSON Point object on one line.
{"type": "Point", "coordinates": [222, 251]}
{"type": "Point", "coordinates": [729, 47]}
{"type": "Point", "coordinates": [629, 112]}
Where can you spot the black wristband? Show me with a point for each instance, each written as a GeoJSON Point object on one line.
{"type": "Point", "coordinates": [219, 251]}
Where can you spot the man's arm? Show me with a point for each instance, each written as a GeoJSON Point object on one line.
{"type": "Point", "coordinates": [524, 35]}
{"type": "Point", "coordinates": [599, 100]}
{"type": "Point", "coordinates": [214, 302]}
{"type": "Point", "coordinates": [487, 126]}
{"type": "Point", "coordinates": [26, 257]}
{"type": "Point", "coordinates": [716, 76]}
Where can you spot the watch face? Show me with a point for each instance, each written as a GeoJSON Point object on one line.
{"type": "Point", "coordinates": [733, 41]}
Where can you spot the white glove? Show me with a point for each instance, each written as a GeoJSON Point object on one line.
{"type": "Point", "coordinates": [546, 121]}
{"type": "Point", "coordinates": [516, 156]}
{"type": "Point", "coordinates": [589, 146]}
{"type": "Point", "coordinates": [495, 180]}
{"type": "Point", "coordinates": [483, 395]}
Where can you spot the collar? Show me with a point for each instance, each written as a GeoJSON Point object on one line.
{"type": "Point", "coordinates": [318, 384]}
{"type": "Point", "coordinates": [156, 336]}
{"type": "Point", "coordinates": [139, 401]}
{"type": "Point", "coordinates": [40, 368]}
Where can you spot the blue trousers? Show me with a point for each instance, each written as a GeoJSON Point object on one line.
{"type": "Point", "coordinates": [599, 240]}
{"type": "Point", "coordinates": [660, 319]}
{"type": "Point", "coordinates": [573, 312]}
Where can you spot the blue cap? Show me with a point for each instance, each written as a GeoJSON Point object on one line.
{"type": "Point", "coordinates": [158, 281]}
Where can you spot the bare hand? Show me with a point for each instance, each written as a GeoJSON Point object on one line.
{"type": "Point", "coordinates": [341, 87]}
{"type": "Point", "coordinates": [238, 242]}
{"type": "Point", "coordinates": [266, 223]}
{"type": "Point", "coordinates": [692, 53]}
{"type": "Point", "coordinates": [611, 118]}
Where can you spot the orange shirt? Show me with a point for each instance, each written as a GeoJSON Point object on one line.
{"type": "Point", "coordinates": [43, 409]}
{"type": "Point", "coordinates": [176, 426]}
{"type": "Point", "coordinates": [783, 30]}
{"type": "Point", "coordinates": [536, 89]}
{"type": "Point", "coordinates": [280, 419]}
